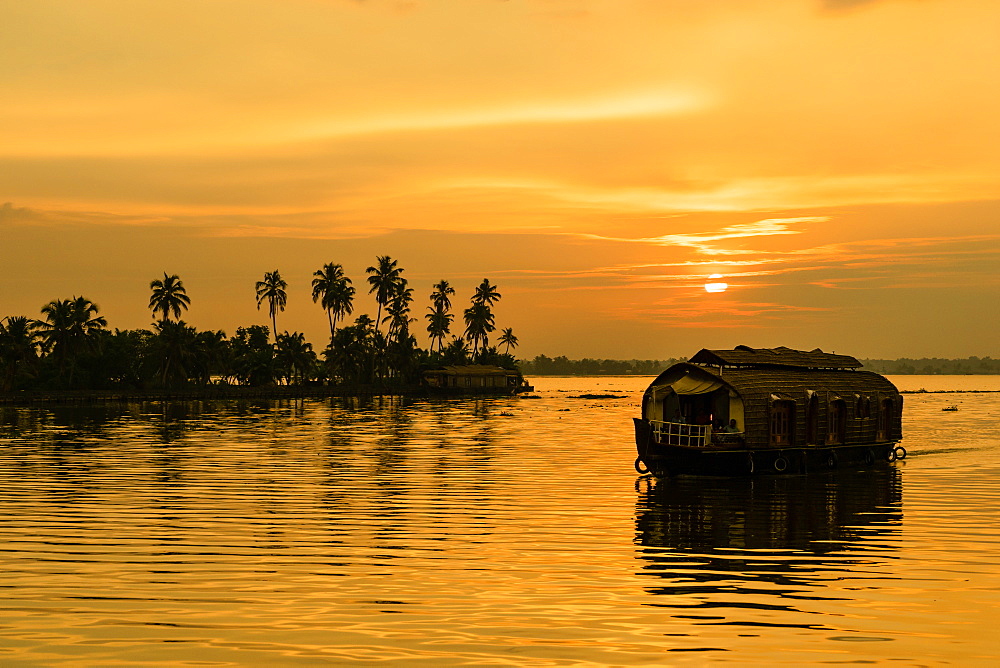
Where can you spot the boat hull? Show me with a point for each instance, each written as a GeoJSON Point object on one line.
{"type": "Point", "coordinates": [662, 459]}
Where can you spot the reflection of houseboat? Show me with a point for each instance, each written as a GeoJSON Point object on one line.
{"type": "Point", "coordinates": [773, 410]}
{"type": "Point", "coordinates": [824, 513]}
{"type": "Point", "coordinates": [475, 379]}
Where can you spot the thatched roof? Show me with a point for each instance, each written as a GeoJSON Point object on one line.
{"type": "Point", "coordinates": [759, 383]}
{"type": "Point", "coordinates": [798, 383]}
{"type": "Point", "coordinates": [745, 356]}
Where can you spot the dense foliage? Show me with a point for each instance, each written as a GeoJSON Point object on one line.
{"type": "Point", "coordinates": [934, 366]}
{"type": "Point", "coordinates": [562, 366]}
{"type": "Point", "coordinates": [71, 347]}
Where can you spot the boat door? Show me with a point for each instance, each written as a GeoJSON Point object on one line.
{"type": "Point", "coordinates": [884, 420]}
{"type": "Point", "coordinates": [836, 428]}
{"type": "Point", "coordinates": [812, 420]}
{"type": "Point", "coordinates": [697, 408]}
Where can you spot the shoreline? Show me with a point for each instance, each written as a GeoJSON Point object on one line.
{"type": "Point", "coordinates": [947, 391]}
{"type": "Point", "coordinates": [227, 393]}
{"type": "Point", "coordinates": [235, 393]}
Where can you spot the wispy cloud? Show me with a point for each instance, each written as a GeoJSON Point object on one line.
{"type": "Point", "coordinates": [708, 243]}
{"type": "Point", "coordinates": [891, 263]}
{"type": "Point", "coordinates": [695, 311]}
{"type": "Point", "coordinates": [624, 105]}
{"type": "Point", "coordinates": [12, 215]}
{"type": "Point", "coordinates": [28, 216]}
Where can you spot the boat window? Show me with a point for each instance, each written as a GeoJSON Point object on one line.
{"type": "Point", "coordinates": [782, 422]}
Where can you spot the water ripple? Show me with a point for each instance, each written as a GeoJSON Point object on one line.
{"type": "Point", "coordinates": [496, 531]}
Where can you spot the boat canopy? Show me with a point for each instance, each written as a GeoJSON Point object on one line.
{"type": "Point", "coordinates": [692, 385]}
{"type": "Point", "coordinates": [686, 380]}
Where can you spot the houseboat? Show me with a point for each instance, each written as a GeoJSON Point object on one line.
{"type": "Point", "coordinates": [767, 410]}
{"type": "Point", "coordinates": [474, 379]}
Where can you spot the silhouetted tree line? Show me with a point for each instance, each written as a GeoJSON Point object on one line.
{"type": "Point", "coordinates": [71, 347]}
{"type": "Point", "coordinates": [934, 366]}
{"type": "Point", "coordinates": [543, 365]}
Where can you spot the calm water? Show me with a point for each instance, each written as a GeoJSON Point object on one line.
{"type": "Point", "coordinates": [492, 532]}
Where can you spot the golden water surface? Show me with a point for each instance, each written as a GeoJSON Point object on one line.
{"type": "Point", "coordinates": [496, 531]}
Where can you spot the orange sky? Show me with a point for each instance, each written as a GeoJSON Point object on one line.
{"type": "Point", "coordinates": [836, 161]}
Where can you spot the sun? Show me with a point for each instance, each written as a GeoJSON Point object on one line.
{"type": "Point", "coordinates": [715, 285]}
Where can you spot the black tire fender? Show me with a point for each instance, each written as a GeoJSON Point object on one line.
{"type": "Point", "coordinates": [639, 466]}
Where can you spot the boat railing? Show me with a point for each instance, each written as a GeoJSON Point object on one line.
{"type": "Point", "coordinates": [695, 435]}
{"type": "Point", "coordinates": [680, 433]}
{"type": "Point", "coordinates": [729, 438]}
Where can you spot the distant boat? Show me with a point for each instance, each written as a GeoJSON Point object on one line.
{"type": "Point", "coordinates": [950, 408]}
{"type": "Point", "coordinates": [474, 379]}
{"type": "Point", "coordinates": [767, 410]}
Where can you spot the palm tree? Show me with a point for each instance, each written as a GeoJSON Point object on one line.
{"type": "Point", "coordinates": [439, 320]}
{"type": "Point", "coordinates": [486, 294]}
{"type": "Point", "coordinates": [18, 349]}
{"type": "Point", "coordinates": [479, 318]}
{"type": "Point", "coordinates": [334, 292]}
{"type": "Point", "coordinates": [456, 352]}
{"type": "Point", "coordinates": [479, 323]}
{"type": "Point", "coordinates": [68, 321]}
{"type": "Point", "coordinates": [349, 357]}
{"type": "Point", "coordinates": [342, 300]}
{"type": "Point", "coordinates": [252, 356]}
{"type": "Point", "coordinates": [383, 280]}
{"type": "Point", "coordinates": [439, 298]}
{"type": "Point", "coordinates": [168, 296]}
{"type": "Point", "coordinates": [398, 311]}
{"type": "Point", "coordinates": [295, 357]}
{"type": "Point", "coordinates": [55, 331]}
{"type": "Point", "coordinates": [507, 338]}
{"type": "Point", "coordinates": [68, 327]}
{"type": "Point", "coordinates": [85, 319]}
{"type": "Point", "coordinates": [176, 349]}
{"type": "Point", "coordinates": [213, 356]}
{"type": "Point", "coordinates": [438, 326]}
{"type": "Point", "coordinates": [272, 288]}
